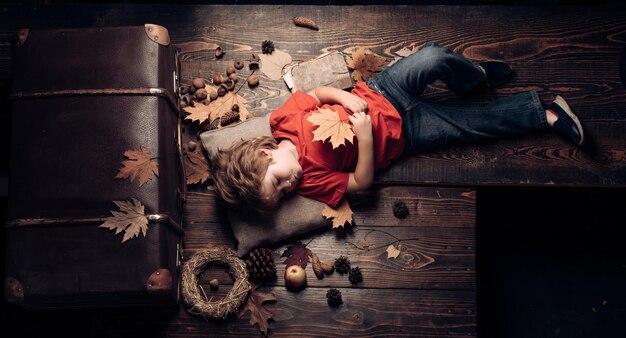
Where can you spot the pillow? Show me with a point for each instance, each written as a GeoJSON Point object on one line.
{"type": "Point", "coordinates": [297, 214]}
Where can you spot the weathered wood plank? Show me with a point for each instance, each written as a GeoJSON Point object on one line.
{"type": "Point", "coordinates": [431, 257]}
{"type": "Point", "coordinates": [365, 313]}
{"type": "Point", "coordinates": [447, 207]}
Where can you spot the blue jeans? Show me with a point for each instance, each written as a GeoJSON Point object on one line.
{"type": "Point", "coordinates": [427, 125]}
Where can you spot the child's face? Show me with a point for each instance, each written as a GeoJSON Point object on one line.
{"type": "Point", "coordinates": [282, 174]}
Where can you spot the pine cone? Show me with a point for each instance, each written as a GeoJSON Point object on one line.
{"type": "Point", "coordinates": [260, 264]}
{"type": "Point", "coordinates": [400, 209]}
{"type": "Point", "coordinates": [333, 297]}
{"type": "Point", "coordinates": [342, 264]}
{"type": "Point", "coordinates": [267, 47]}
{"type": "Point", "coordinates": [230, 117]}
{"type": "Point", "coordinates": [355, 275]}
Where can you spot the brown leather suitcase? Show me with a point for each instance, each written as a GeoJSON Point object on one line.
{"type": "Point", "coordinates": [80, 99]}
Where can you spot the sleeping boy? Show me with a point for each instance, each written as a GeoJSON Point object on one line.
{"type": "Point", "coordinates": [389, 119]}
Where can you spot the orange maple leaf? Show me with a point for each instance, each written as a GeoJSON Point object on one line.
{"type": "Point", "coordinates": [196, 167]}
{"type": "Point", "coordinates": [130, 219]}
{"type": "Point", "coordinates": [341, 215]}
{"type": "Point", "coordinates": [330, 126]}
{"type": "Point", "coordinates": [365, 64]}
{"type": "Point", "coordinates": [139, 165]}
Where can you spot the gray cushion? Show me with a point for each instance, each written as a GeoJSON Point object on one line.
{"type": "Point", "coordinates": [296, 215]}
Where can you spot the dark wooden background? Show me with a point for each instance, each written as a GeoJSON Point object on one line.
{"type": "Point", "coordinates": [571, 51]}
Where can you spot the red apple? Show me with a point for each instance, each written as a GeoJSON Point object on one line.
{"type": "Point", "coordinates": [295, 277]}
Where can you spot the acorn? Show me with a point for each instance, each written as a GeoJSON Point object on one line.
{"type": "Point", "coordinates": [213, 95]}
{"type": "Point", "coordinates": [187, 100]}
{"type": "Point", "coordinates": [184, 89]}
{"type": "Point", "coordinates": [221, 91]}
{"type": "Point", "coordinates": [206, 102]}
{"type": "Point", "coordinates": [229, 84]}
{"type": "Point", "coordinates": [253, 81]}
{"type": "Point", "coordinates": [198, 83]}
{"type": "Point", "coordinates": [230, 70]}
{"type": "Point", "coordinates": [233, 77]}
{"type": "Point", "coordinates": [218, 79]}
{"type": "Point", "coordinates": [253, 66]}
{"type": "Point", "coordinates": [235, 107]}
{"type": "Point", "coordinates": [201, 94]}
{"type": "Point", "coordinates": [192, 145]}
{"type": "Point", "coordinates": [191, 90]}
{"type": "Point", "coordinates": [214, 284]}
{"type": "Point", "coordinates": [219, 52]}
{"type": "Point", "coordinates": [238, 64]}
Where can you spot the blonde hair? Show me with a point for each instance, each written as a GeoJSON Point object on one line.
{"type": "Point", "coordinates": [238, 174]}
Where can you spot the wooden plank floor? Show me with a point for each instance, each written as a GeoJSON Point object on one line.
{"type": "Point", "coordinates": [430, 290]}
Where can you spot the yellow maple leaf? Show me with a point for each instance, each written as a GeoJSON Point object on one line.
{"type": "Point", "coordinates": [272, 64]}
{"type": "Point", "coordinates": [330, 126]}
{"type": "Point", "coordinates": [139, 165]}
{"type": "Point", "coordinates": [340, 215]}
{"type": "Point", "coordinates": [365, 64]}
{"type": "Point", "coordinates": [130, 219]}
{"type": "Point", "coordinates": [217, 108]}
{"type": "Point", "coordinates": [392, 251]}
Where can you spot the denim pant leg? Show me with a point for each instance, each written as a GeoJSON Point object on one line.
{"type": "Point", "coordinates": [428, 125]}
{"type": "Point", "coordinates": [431, 63]}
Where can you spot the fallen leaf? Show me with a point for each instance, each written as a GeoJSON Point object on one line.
{"type": "Point", "coordinates": [196, 167]}
{"type": "Point", "coordinates": [258, 314]}
{"type": "Point", "coordinates": [139, 165]}
{"type": "Point", "coordinates": [330, 126]}
{"type": "Point", "coordinates": [130, 219]}
{"type": "Point", "coordinates": [365, 64]}
{"type": "Point", "coordinates": [297, 254]}
{"type": "Point", "coordinates": [392, 251]}
{"type": "Point", "coordinates": [272, 64]}
{"type": "Point", "coordinates": [217, 108]}
{"type": "Point", "coordinates": [402, 53]}
{"type": "Point", "coordinates": [340, 215]}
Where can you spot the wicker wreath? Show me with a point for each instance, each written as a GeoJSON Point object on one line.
{"type": "Point", "coordinates": [196, 300]}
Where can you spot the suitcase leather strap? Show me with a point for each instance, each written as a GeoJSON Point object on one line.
{"type": "Point", "coordinates": [37, 222]}
{"type": "Point", "coordinates": [161, 92]}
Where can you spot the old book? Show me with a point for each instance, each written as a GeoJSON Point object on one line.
{"type": "Point", "coordinates": [328, 69]}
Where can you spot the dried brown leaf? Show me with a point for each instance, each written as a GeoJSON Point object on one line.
{"type": "Point", "coordinates": [258, 314]}
{"type": "Point", "coordinates": [272, 64]}
{"type": "Point", "coordinates": [330, 126]}
{"type": "Point", "coordinates": [341, 215]}
{"type": "Point", "coordinates": [196, 167]}
{"type": "Point", "coordinates": [218, 107]}
{"type": "Point", "coordinates": [392, 252]}
{"type": "Point", "coordinates": [131, 219]}
{"type": "Point", "coordinates": [365, 64]}
{"type": "Point", "coordinates": [139, 165]}
{"type": "Point", "coordinates": [402, 53]}
{"type": "Point", "coordinates": [297, 254]}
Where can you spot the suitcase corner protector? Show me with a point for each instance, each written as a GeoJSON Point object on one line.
{"type": "Point", "coordinates": [158, 34]}
{"type": "Point", "coordinates": [160, 281]}
{"type": "Point", "coordinates": [13, 290]}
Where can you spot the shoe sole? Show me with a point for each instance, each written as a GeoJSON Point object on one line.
{"type": "Point", "coordinates": [561, 102]}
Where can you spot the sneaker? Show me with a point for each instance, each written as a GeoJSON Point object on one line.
{"type": "Point", "coordinates": [567, 125]}
{"type": "Point", "coordinates": [496, 72]}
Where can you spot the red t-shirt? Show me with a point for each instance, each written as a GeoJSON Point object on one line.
{"type": "Point", "coordinates": [325, 171]}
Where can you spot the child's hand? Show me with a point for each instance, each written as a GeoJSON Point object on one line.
{"type": "Point", "coordinates": [354, 104]}
{"type": "Point", "coordinates": [361, 125]}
